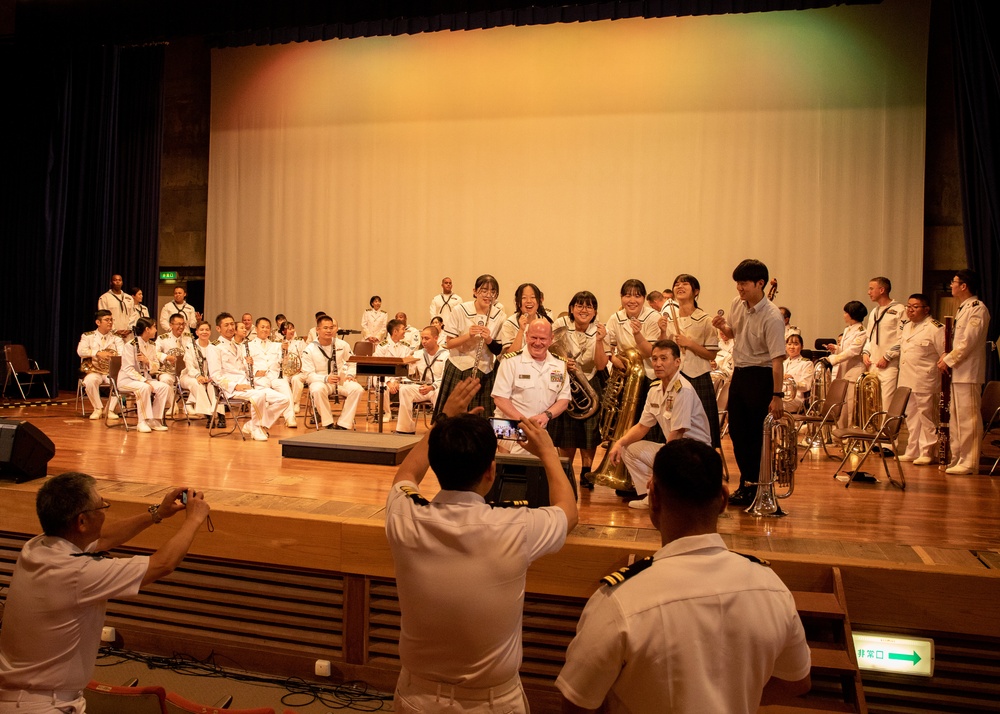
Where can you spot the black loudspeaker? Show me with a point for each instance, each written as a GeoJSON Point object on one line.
{"type": "Point", "coordinates": [24, 450]}
{"type": "Point", "coordinates": [522, 478]}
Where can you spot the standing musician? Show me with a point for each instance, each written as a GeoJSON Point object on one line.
{"type": "Point", "coordinates": [921, 344]}
{"type": "Point", "coordinates": [881, 350]}
{"type": "Point", "coordinates": [427, 371]}
{"type": "Point", "coordinates": [373, 321]}
{"type": "Point", "coordinates": [582, 341]}
{"type": "Point", "coordinates": [845, 356]}
{"type": "Point", "coordinates": [120, 304]}
{"type": "Point", "coordinates": [98, 346]}
{"type": "Point", "coordinates": [266, 356]}
{"type": "Point", "coordinates": [691, 328]}
{"type": "Point", "coordinates": [178, 338]}
{"type": "Point", "coordinates": [439, 324]}
{"type": "Point", "coordinates": [527, 307]}
{"type": "Point", "coordinates": [758, 356]}
{"type": "Point", "coordinates": [327, 371]}
{"type": "Point", "coordinates": [967, 363]}
{"type": "Point", "coordinates": [472, 330]}
{"type": "Point", "coordinates": [292, 345]}
{"type": "Point", "coordinates": [138, 309]}
{"type": "Point", "coordinates": [138, 375]}
{"type": "Point", "coordinates": [231, 371]}
{"type": "Point", "coordinates": [799, 369]}
{"type": "Point", "coordinates": [178, 305]}
{"type": "Point", "coordinates": [447, 301]}
{"type": "Point", "coordinates": [197, 380]}
{"type": "Point", "coordinates": [393, 346]}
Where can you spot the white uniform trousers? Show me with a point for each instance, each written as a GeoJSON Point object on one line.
{"type": "Point", "coordinates": [921, 424]}
{"type": "Point", "coordinates": [638, 458]}
{"type": "Point", "coordinates": [202, 397]}
{"type": "Point", "coordinates": [92, 382]}
{"type": "Point", "coordinates": [151, 397]}
{"type": "Point", "coordinates": [409, 394]}
{"type": "Point", "coordinates": [966, 425]}
{"type": "Point", "coordinates": [279, 385]}
{"type": "Point", "coordinates": [30, 702]}
{"type": "Point", "coordinates": [266, 405]}
{"type": "Point", "coordinates": [887, 380]}
{"type": "Point", "coordinates": [414, 694]}
{"type": "Point", "coordinates": [350, 390]}
{"type": "Point", "coordinates": [297, 383]}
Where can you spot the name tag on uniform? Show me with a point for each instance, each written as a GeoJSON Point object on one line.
{"type": "Point", "coordinates": [524, 376]}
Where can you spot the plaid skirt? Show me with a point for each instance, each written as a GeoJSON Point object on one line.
{"type": "Point", "coordinates": [452, 376]}
{"type": "Point", "coordinates": [706, 392]}
{"type": "Point", "coordinates": [568, 433]}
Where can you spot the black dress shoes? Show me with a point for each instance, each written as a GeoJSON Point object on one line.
{"type": "Point", "coordinates": [743, 496]}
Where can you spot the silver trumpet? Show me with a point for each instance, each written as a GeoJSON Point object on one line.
{"type": "Point", "coordinates": [777, 467]}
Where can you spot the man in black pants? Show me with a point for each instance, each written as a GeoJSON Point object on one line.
{"type": "Point", "coordinates": [758, 329]}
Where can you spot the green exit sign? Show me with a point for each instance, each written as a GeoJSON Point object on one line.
{"type": "Point", "coordinates": [899, 655]}
{"type": "Point", "coordinates": [168, 275]}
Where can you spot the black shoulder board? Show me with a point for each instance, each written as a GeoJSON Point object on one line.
{"type": "Point", "coordinates": [414, 494]}
{"type": "Point", "coordinates": [936, 323]}
{"type": "Point", "coordinates": [508, 355]}
{"type": "Point", "coordinates": [96, 555]}
{"type": "Point", "coordinates": [384, 342]}
{"type": "Point", "coordinates": [975, 303]}
{"type": "Point", "coordinates": [623, 574]}
{"type": "Point", "coordinates": [508, 504]}
{"type": "Point", "coordinates": [215, 342]}
{"type": "Point", "coordinates": [753, 559]}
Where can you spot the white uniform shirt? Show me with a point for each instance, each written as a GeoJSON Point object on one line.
{"type": "Point", "coordinates": [882, 333]}
{"type": "Point", "coordinates": [967, 358]}
{"type": "Point", "coordinates": [134, 371]}
{"type": "Point", "coordinates": [93, 342]}
{"type": "Point", "coordinates": [227, 365]}
{"type": "Point", "coordinates": [758, 333]}
{"type": "Point", "coordinates": [429, 369]}
{"type": "Point", "coordinates": [55, 611]}
{"type": "Point", "coordinates": [196, 360]}
{"type": "Point", "coordinates": [171, 308]}
{"type": "Point", "coordinates": [318, 362]}
{"type": "Point", "coordinates": [266, 356]}
{"type": "Point", "coordinates": [530, 385]}
{"type": "Point", "coordinates": [698, 327]}
{"type": "Point", "coordinates": [620, 332]}
{"type": "Point", "coordinates": [801, 370]}
{"type": "Point", "coordinates": [921, 345]}
{"type": "Point", "coordinates": [137, 312]}
{"type": "Point", "coordinates": [388, 348]}
{"type": "Point", "coordinates": [121, 307]}
{"type": "Point", "coordinates": [579, 346]}
{"type": "Point", "coordinates": [676, 407]}
{"type": "Point", "coordinates": [847, 358]}
{"type": "Point", "coordinates": [373, 324]}
{"type": "Point", "coordinates": [458, 323]}
{"type": "Point", "coordinates": [442, 304]}
{"type": "Point", "coordinates": [412, 337]}
{"type": "Point", "coordinates": [167, 342]}
{"type": "Point", "coordinates": [700, 630]}
{"type": "Point", "coordinates": [460, 572]}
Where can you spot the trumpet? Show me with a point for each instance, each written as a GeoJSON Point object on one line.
{"type": "Point", "coordinates": [778, 460]}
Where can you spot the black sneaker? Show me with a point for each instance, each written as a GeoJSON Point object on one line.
{"type": "Point", "coordinates": [743, 496]}
{"type": "Point", "coordinates": [220, 423]}
{"type": "Point", "coordinates": [622, 493]}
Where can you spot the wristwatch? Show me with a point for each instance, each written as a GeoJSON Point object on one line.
{"type": "Point", "coordinates": [548, 414]}
{"type": "Point", "coordinates": [154, 512]}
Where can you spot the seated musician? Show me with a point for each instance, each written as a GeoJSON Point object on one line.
{"type": "Point", "coordinates": [138, 375]}
{"type": "Point", "coordinates": [196, 379]}
{"type": "Point", "coordinates": [412, 335]}
{"type": "Point", "coordinates": [231, 371]}
{"type": "Point", "coordinates": [800, 369]}
{"type": "Point", "coordinates": [324, 362]}
{"type": "Point", "coordinates": [95, 350]}
{"type": "Point", "coordinates": [293, 345]}
{"type": "Point", "coordinates": [266, 360]}
{"type": "Point", "coordinates": [425, 379]}
{"type": "Point", "coordinates": [393, 346]}
{"type": "Point", "coordinates": [171, 344]}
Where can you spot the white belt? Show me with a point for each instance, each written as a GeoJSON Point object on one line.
{"type": "Point", "coordinates": [33, 695]}
{"type": "Point", "coordinates": [458, 691]}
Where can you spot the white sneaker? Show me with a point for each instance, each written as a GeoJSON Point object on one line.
{"type": "Point", "coordinates": [291, 423]}
{"type": "Point", "coordinates": [112, 416]}
{"type": "Point", "coordinates": [922, 461]}
{"type": "Point", "coordinates": [259, 435]}
{"type": "Point", "coordinates": [248, 429]}
{"type": "Point", "coordinates": [143, 428]}
{"type": "Point", "coordinates": [96, 414]}
{"type": "Point", "coordinates": [386, 418]}
{"type": "Point", "coordinates": [641, 504]}
{"type": "Point", "coordinates": [904, 458]}
{"type": "Point", "coordinates": [298, 408]}
{"type": "Point", "coordinates": [958, 471]}
{"type": "Point", "coordinates": [156, 425]}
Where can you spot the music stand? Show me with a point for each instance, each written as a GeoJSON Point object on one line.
{"type": "Point", "coordinates": [380, 367]}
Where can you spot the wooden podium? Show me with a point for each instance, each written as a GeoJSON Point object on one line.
{"type": "Point", "coordinates": [380, 368]}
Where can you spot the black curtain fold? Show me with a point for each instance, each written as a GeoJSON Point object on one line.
{"type": "Point", "coordinates": [977, 99]}
{"type": "Point", "coordinates": [83, 185]}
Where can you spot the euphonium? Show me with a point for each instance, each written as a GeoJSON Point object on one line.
{"type": "Point", "coordinates": [821, 383]}
{"type": "Point", "coordinates": [778, 459]}
{"type": "Point", "coordinates": [583, 400]}
{"type": "Point", "coordinates": [619, 405]}
{"type": "Point", "coordinates": [789, 388]}
{"type": "Point", "coordinates": [867, 400]}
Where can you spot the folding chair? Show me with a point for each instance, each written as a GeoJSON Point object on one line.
{"type": "Point", "coordinates": [109, 699]}
{"type": "Point", "coordinates": [238, 409]}
{"type": "Point", "coordinates": [81, 396]}
{"type": "Point", "coordinates": [125, 399]}
{"type": "Point", "coordinates": [822, 414]}
{"type": "Point", "coordinates": [884, 435]}
{"type": "Point", "coordinates": [176, 704]}
{"type": "Point", "coordinates": [990, 410]}
{"type": "Point", "coordinates": [23, 370]}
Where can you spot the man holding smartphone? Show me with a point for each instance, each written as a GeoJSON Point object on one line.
{"type": "Point", "coordinates": [62, 582]}
{"type": "Point", "coordinates": [461, 565]}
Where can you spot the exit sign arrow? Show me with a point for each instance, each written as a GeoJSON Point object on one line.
{"type": "Point", "coordinates": [912, 658]}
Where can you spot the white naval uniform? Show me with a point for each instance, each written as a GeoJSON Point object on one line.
{"type": "Point", "coordinates": [442, 304]}
{"type": "Point", "coordinates": [90, 344]}
{"type": "Point", "coordinates": [151, 395]}
{"type": "Point", "coordinates": [673, 408]}
{"type": "Point", "coordinates": [196, 362]}
{"type": "Point", "coordinates": [228, 369]}
{"type": "Point", "coordinates": [848, 364]}
{"type": "Point", "coordinates": [165, 343]}
{"type": "Point", "coordinates": [388, 348]}
{"type": "Point", "coordinates": [120, 306]}
{"type": "Point", "coordinates": [137, 312]}
{"type": "Point", "coordinates": [921, 345]}
{"type": "Point", "coordinates": [412, 338]}
{"type": "Point", "coordinates": [426, 371]}
{"type": "Point", "coordinates": [801, 370]}
{"type": "Point", "coordinates": [318, 362]}
{"type": "Point", "coordinates": [171, 308]}
{"type": "Point", "coordinates": [373, 323]}
{"type": "Point", "coordinates": [967, 360]}
{"type": "Point", "coordinates": [297, 381]}
{"type": "Point", "coordinates": [882, 340]}
{"type": "Point", "coordinates": [532, 386]}
{"type": "Point", "coordinates": [266, 356]}
{"type": "Point", "coordinates": [620, 333]}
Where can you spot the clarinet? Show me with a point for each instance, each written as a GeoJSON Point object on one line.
{"type": "Point", "coordinates": [139, 364]}
{"type": "Point", "coordinates": [944, 403]}
{"type": "Point", "coordinates": [201, 367]}
{"type": "Point", "coordinates": [249, 361]}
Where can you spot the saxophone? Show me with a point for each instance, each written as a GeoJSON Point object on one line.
{"type": "Point", "coordinates": [619, 405]}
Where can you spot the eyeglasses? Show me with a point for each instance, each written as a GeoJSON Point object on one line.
{"type": "Point", "coordinates": [105, 506]}
{"type": "Point", "coordinates": [916, 307]}
{"type": "Point", "coordinates": [485, 292]}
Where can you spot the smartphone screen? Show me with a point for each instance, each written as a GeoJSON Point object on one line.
{"type": "Point", "coordinates": [506, 429]}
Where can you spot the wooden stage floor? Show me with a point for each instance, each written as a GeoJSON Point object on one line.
{"type": "Point", "coordinates": [953, 520]}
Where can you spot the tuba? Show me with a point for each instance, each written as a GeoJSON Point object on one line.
{"type": "Point", "coordinates": [867, 401]}
{"type": "Point", "coordinates": [619, 405]}
{"type": "Point", "coordinates": [583, 400]}
{"type": "Point", "coordinates": [778, 460]}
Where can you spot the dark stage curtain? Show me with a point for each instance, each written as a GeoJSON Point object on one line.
{"type": "Point", "coordinates": [977, 94]}
{"type": "Point", "coordinates": [81, 184]}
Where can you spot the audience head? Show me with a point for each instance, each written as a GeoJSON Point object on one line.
{"type": "Point", "coordinates": [62, 499]}
{"type": "Point", "coordinates": [687, 491]}
{"type": "Point", "coordinates": [461, 450]}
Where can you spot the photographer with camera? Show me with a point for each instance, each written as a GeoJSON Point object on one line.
{"type": "Point", "coordinates": [62, 582]}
